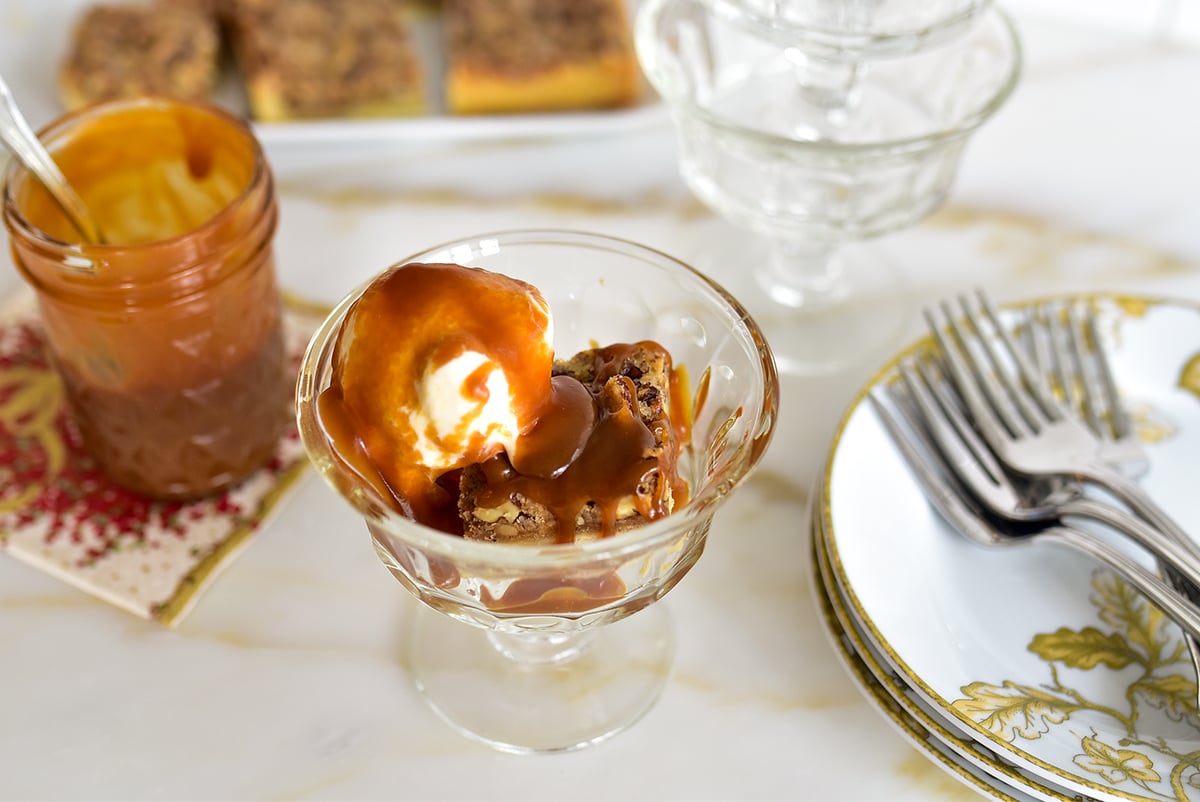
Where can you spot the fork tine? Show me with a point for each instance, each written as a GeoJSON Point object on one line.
{"type": "Point", "coordinates": [1081, 367]}
{"type": "Point", "coordinates": [939, 486]}
{"type": "Point", "coordinates": [959, 371]}
{"type": "Point", "coordinates": [1090, 405]}
{"type": "Point", "coordinates": [914, 447]}
{"type": "Point", "coordinates": [1025, 389]}
{"type": "Point", "coordinates": [989, 370]}
{"type": "Point", "coordinates": [982, 412]}
{"type": "Point", "coordinates": [1051, 353]}
{"type": "Point", "coordinates": [944, 433]}
{"type": "Point", "coordinates": [1062, 360]}
{"type": "Point", "coordinates": [944, 489]}
{"type": "Point", "coordinates": [1041, 354]}
{"type": "Point", "coordinates": [950, 409]}
{"type": "Point", "coordinates": [1032, 379]}
{"type": "Point", "coordinates": [1119, 418]}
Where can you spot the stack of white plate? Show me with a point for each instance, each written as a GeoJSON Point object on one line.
{"type": "Point", "coordinates": [1029, 672]}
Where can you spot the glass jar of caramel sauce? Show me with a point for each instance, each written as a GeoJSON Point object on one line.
{"type": "Point", "coordinates": [168, 335]}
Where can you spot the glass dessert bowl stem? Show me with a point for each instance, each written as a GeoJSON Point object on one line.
{"type": "Point", "coordinates": [541, 692]}
{"type": "Point", "coordinates": [832, 86]}
{"type": "Point", "coordinates": [541, 648]}
{"type": "Point", "coordinates": [569, 673]}
{"type": "Point", "coordinates": [824, 304]}
{"type": "Point", "coordinates": [800, 273]}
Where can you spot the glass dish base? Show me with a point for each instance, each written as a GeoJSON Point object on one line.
{"type": "Point", "coordinates": [539, 692]}
{"type": "Point", "coordinates": [824, 308]}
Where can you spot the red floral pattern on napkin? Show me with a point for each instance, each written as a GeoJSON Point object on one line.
{"type": "Point", "coordinates": [60, 514]}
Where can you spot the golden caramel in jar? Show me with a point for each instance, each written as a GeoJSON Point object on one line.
{"type": "Point", "coordinates": [167, 336]}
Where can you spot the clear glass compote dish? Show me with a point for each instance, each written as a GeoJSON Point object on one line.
{"type": "Point", "coordinates": [813, 183]}
{"type": "Point", "coordinates": [537, 648]}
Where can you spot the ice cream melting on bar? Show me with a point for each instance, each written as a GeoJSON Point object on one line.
{"type": "Point", "coordinates": [446, 395]}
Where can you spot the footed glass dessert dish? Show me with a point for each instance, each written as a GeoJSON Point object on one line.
{"type": "Point", "coordinates": [811, 164]}
{"type": "Point", "coordinates": [540, 648]}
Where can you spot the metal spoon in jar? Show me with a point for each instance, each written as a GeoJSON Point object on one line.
{"type": "Point", "coordinates": [24, 144]}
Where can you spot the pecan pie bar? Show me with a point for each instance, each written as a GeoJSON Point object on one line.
{"type": "Point", "coordinates": [122, 51]}
{"type": "Point", "coordinates": [325, 58]}
{"type": "Point", "coordinates": [635, 378]}
{"type": "Point", "coordinates": [538, 55]}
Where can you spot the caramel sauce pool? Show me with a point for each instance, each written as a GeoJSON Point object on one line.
{"type": "Point", "coordinates": [159, 176]}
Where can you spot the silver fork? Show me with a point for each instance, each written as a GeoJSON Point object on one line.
{"type": "Point", "coordinates": [1035, 434]}
{"type": "Point", "coordinates": [1068, 353]}
{"type": "Point", "coordinates": [940, 485]}
{"type": "Point", "coordinates": [1011, 498]}
{"type": "Point", "coordinates": [1066, 345]}
{"type": "Point", "coordinates": [1029, 430]}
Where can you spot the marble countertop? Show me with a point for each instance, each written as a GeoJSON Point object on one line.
{"type": "Point", "coordinates": [285, 681]}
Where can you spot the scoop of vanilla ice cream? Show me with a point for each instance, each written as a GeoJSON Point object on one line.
{"type": "Point", "coordinates": [451, 413]}
{"type": "Point", "coordinates": [439, 366]}
{"type": "Point", "coordinates": [448, 418]}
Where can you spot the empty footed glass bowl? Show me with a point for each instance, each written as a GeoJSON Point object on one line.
{"type": "Point", "coordinates": [811, 160]}
{"type": "Point", "coordinates": [537, 648]}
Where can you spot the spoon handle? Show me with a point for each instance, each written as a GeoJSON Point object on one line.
{"type": "Point", "coordinates": [24, 144]}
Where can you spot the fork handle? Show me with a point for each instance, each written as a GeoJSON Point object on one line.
{"type": "Point", "coordinates": [1182, 557]}
{"type": "Point", "coordinates": [1173, 603]}
{"type": "Point", "coordinates": [1137, 499]}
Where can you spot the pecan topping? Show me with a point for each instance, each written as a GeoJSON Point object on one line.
{"type": "Point", "coordinates": [124, 51]}
{"type": "Point", "coordinates": [524, 36]}
{"type": "Point", "coordinates": [326, 56]}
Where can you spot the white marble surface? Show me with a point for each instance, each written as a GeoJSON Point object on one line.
{"type": "Point", "coordinates": [285, 682]}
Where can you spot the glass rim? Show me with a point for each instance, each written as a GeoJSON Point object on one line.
{"type": "Point", "coordinates": [898, 146]}
{"type": "Point", "coordinates": [50, 133]}
{"type": "Point", "coordinates": [699, 507]}
{"type": "Point", "coordinates": [866, 44]}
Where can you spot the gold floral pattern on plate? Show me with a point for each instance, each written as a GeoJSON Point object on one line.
{"type": "Point", "coordinates": [1134, 635]}
{"type": "Point", "coordinates": [1189, 377]}
{"type": "Point", "coordinates": [61, 515]}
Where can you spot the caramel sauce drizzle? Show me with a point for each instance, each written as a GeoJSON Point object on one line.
{"type": "Point", "coordinates": [623, 457]}
{"type": "Point", "coordinates": [578, 445]}
{"type": "Point", "coordinates": [416, 316]}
